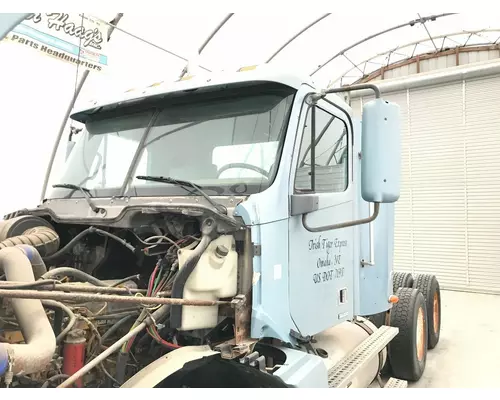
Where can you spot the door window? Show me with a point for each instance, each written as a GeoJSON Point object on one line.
{"type": "Point", "coordinates": [328, 171]}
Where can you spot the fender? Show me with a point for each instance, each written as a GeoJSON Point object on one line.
{"type": "Point", "coordinates": [165, 366]}
{"type": "Point", "coordinates": [201, 367]}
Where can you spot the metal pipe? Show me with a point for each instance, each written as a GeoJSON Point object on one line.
{"type": "Point", "coordinates": [313, 148]}
{"type": "Point", "coordinates": [341, 225]}
{"type": "Point", "coordinates": [370, 263]}
{"type": "Point", "coordinates": [68, 112]}
{"type": "Point", "coordinates": [214, 32]}
{"type": "Point", "coordinates": [296, 36]}
{"type": "Point", "coordinates": [355, 87]}
{"type": "Point", "coordinates": [114, 347]}
{"type": "Point", "coordinates": [62, 128]}
{"type": "Point", "coordinates": [155, 45]}
{"type": "Point", "coordinates": [410, 23]}
{"type": "Point", "coordinates": [110, 298]}
{"type": "Point", "coordinates": [414, 44]}
{"type": "Point", "coordinates": [101, 357]}
{"type": "Point", "coordinates": [207, 40]}
{"type": "Point", "coordinates": [69, 287]}
{"type": "Point", "coordinates": [40, 341]}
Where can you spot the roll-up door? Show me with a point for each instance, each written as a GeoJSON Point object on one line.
{"type": "Point", "coordinates": [448, 215]}
{"type": "Point", "coordinates": [482, 138]}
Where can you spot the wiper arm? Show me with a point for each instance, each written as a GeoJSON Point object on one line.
{"type": "Point", "coordinates": [185, 185]}
{"type": "Point", "coordinates": [84, 190]}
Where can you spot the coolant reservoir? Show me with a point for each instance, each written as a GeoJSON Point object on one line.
{"type": "Point", "coordinates": [213, 278]}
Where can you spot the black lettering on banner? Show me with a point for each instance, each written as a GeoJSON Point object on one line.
{"type": "Point", "coordinates": [62, 22]}
{"type": "Point", "coordinates": [91, 37]}
{"type": "Point", "coordinates": [329, 260]}
{"type": "Point", "coordinates": [36, 17]}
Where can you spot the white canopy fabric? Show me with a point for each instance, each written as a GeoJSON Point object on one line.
{"type": "Point", "coordinates": [37, 88]}
{"type": "Point", "coordinates": [252, 39]}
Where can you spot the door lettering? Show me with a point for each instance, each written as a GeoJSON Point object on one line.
{"type": "Point", "coordinates": [329, 258]}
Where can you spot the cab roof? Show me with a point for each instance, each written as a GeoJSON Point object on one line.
{"type": "Point", "coordinates": [253, 74]}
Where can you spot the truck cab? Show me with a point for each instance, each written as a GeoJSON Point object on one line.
{"type": "Point", "coordinates": [271, 196]}
{"type": "Point", "coordinates": [245, 138]}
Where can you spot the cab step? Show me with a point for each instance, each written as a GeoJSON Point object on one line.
{"type": "Point", "coordinates": [394, 383]}
{"type": "Point", "coordinates": [342, 373]}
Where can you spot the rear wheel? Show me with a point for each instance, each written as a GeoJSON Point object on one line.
{"type": "Point", "coordinates": [428, 285]}
{"type": "Point", "coordinates": [377, 319]}
{"type": "Point", "coordinates": [401, 279]}
{"type": "Point", "coordinates": [408, 350]}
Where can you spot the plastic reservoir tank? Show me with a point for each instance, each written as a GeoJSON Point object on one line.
{"type": "Point", "coordinates": [214, 277]}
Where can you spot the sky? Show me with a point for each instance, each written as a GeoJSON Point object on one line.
{"type": "Point", "coordinates": [36, 89]}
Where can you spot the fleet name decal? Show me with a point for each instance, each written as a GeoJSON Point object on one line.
{"type": "Point", "coordinates": [78, 39]}
{"type": "Point", "coordinates": [329, 261]}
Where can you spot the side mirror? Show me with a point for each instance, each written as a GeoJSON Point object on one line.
{"type": "Point", "coordinates": [380, 152]}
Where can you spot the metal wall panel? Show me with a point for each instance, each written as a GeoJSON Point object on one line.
{"type": "Point", "coordinates": [482, 138]}
{"type": "Point", "coordinates": [437, 181]}
{"type": "Point", "coordinates": [448, 215]}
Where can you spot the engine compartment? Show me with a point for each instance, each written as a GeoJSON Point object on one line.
{"type": "Point", "coordinates": [78, 267]}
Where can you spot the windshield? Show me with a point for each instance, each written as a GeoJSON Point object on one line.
{"type": "Point", "coordinates": [228, 142]}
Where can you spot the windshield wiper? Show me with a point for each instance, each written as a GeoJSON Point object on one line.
{"type": "Point", "coordinates": [84, 190]}
{"type": "Point", "coordinates": [185, 185]}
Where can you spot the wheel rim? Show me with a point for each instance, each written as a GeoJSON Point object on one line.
{"type": "Point", "coordinates": [436, 313]}
{"type": "Point", "coordinates": [420, 334]}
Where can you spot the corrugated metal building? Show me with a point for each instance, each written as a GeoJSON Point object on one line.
{"type": "Point", "coordinates": [448, 216]}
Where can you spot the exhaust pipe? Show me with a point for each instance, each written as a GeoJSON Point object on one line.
{"type": "Point", "coordinates": [40, 341]}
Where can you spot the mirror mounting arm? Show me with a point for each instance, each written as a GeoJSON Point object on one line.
{"type": "Point", "coordinates": [347, 224]}
{"type": "Point", "coordinates": [363, 86]}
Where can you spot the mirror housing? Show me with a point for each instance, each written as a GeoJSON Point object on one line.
{"type": "Point", "coordinates": [380, 152]}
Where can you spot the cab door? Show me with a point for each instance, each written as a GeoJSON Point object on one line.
{"type": "Point", "coordinates": [321, 194]}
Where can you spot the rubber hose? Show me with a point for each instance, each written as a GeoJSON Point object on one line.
{"type": "Point", "coordinates": [78, 237]}
{"type": "Point", "coordinates": [35, 258]}
{"type": "Point", "coordinates": [72, 243]}
{"type": "Point", "coordinates": [72, 318]}
{"type": "Point", "coordinates": [40, 342]}
{"type": "Point", "coordinates": [44, 239]}
{"type": "Point", "coordinates": [74, 273]}
{"type": "Point", "coordinates": [127, 279]}
{"type": "Point", "coordinates": [116, 326]}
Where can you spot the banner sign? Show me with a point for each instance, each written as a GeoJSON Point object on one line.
{"type": "Point", "coordinates": [77, 38]}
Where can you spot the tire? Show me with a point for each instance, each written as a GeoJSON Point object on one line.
{"type": "Point", "coordinates": [428, 285]}
{"type": "Point", "coordinates": [377, 319]}
{"type": "Point", "coordinates": [406, 361]}
{"type": "Point", "coordinates": [401, 279]}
